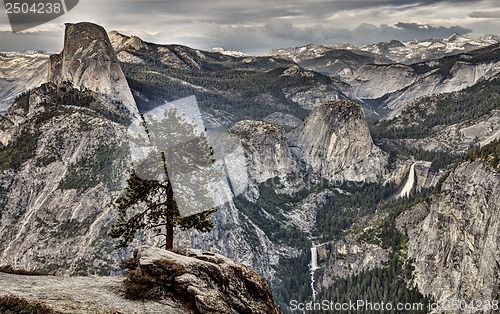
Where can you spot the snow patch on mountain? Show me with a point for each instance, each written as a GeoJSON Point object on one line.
{"type": "Point", "coordinates": [232, 53]}
{"type": "Point", "coordinates": [396, 51]}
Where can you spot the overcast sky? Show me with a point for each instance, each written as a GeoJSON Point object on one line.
{"type": "Point", "coordinates": [256, 26]}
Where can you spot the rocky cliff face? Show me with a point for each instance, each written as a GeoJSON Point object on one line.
{"type": "Point", "coordinates": [89, 61]}
{"type": "Point", "coordinates": [373, 81]}
{"type": "Point", "coordinates": [454, 236]}
{"type": "Point", "coordinates": [5, 126]}
{"type": "Point", "coordinates": [266, 153]}
{"type": "Point", "coordinates": [460, 137]}
{"type": "Point", "coordinates": [66, 154]}
{"type": "Point", "coordinates": [236, 236]}
{"type": "Point", "coordinates": [452, 122]}
{"type": "Point", "coordinates": [334, 142]}
{"type": "Point", "coordinates": [461, 75]}
{"type": "Point", "coordinates": [347, 257]}
{"type": "Point", "coordinates": [259, 153]}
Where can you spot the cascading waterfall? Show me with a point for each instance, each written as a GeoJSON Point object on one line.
{"type": "Point", "coordinates": [409, 184]}
{"type": "Point", "coordinates": [313, 266]}
{"type": "Point", "coordinates": [314, 258]}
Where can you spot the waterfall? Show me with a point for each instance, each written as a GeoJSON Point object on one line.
{"type": "Point", "coordinates": [409, 184]}
{"type": "Point", "coordinates": [314, 258]}
{"type": "Point", "coordinates": [313, 266]}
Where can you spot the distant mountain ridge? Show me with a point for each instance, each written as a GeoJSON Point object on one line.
{"type": "Point", "coordinates": [349, 68]}
{"type": "Point", "coordinates": [20, 71]}
{"type": "Point", "coordinates": [394, 51]}
{"type": "Point", "coordinates": [228, 88]}
{"type": "Point", "coordinates": [390, 87]}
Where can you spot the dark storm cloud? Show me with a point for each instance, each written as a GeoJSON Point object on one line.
{"type": "Point", "coordinates": [405, 31]}
{"type": "Point", "coordinates": [242, 11]}
{"type": "Point", "coordinates": [260, 25]}
{"type": "Point", "coordinates": [51, 41]}
{"type": "Point", "coordinates": [486, 14]}
{"type": "Point", "coordinates": [282, 33]}
{"type": "Point", "coordinates": [348, 5]}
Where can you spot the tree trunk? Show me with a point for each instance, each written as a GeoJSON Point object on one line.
{"type": "Point", "coordinates": [169, 239]}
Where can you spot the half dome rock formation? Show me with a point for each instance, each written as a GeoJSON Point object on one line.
{"type": "Point", "coordinates": [89, 61]}
{"type": "Point", "coordinates": [335, 142]}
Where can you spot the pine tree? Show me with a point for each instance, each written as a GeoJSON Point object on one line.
{"type": "Point", "coordinates": [158, 212]}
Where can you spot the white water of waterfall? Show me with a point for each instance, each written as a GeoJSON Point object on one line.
{"type": "Point", "coordinates": [314, 266]}
{"type": "Point", "coordinates": [409, 183]}
{"type": "Point", "coordinates": [314, 258]}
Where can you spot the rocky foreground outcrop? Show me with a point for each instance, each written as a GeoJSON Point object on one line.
{"type": "Point", "coordinates": [203, 283]}
{"type": "Point", "coordinates": [213, 283]}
